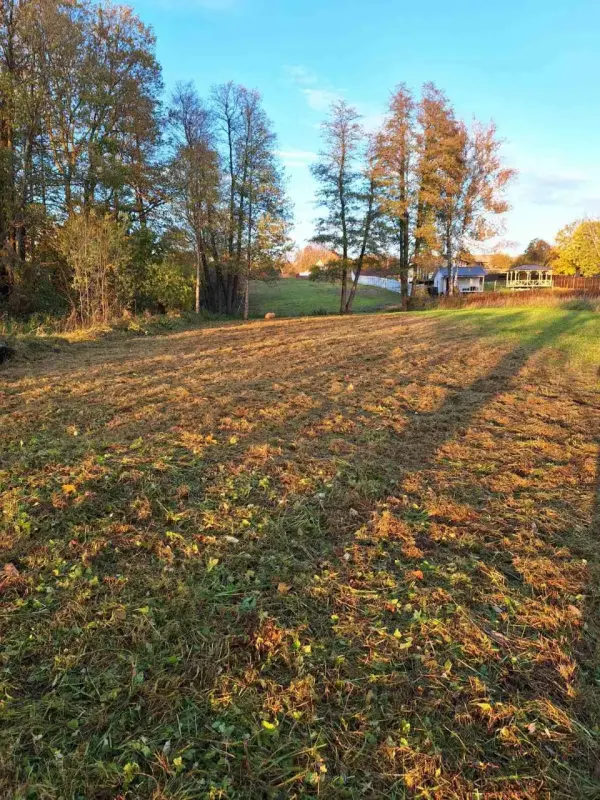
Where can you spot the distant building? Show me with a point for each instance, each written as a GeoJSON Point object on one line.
{"type": "Point", "coordinates": [465, 279]}
{"type": "Point", "coordinates": [529, 276]}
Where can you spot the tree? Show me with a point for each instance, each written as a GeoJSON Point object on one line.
{"type": "Point", "coordinates": [79, 102]}
{"type": "Point", "coordinates": [195, 180]}
{"type": "Point", "coordinates": [345, 174]}
{"type": "Point", "coordinates": [538, 251]}
{"type": "Point", "coordinates": [500, 262]}
{"type": "Point", "coordinates": [462, 181]}
{"type": "Point", "coordinates": [578, 248]}
{"type": "Point", "coordinates": [229, 187]}
{"type": "Point", "coordinates": [306, 258]}
{"type": "Point", "coordinates": [395, 156]}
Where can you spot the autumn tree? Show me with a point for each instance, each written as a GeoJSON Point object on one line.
{"type": "Point", "coordinates": [578, 249]}
{"type": "Point", "coordinates": [228, 184]}
{"type": "Point", "coordinates": [307, 257]}
{"type": "Point", "coordinates": [462, 181]}
{"type": "Point", "coordinates": [538, 252]}
{"type": "Point", "coordinates": [79, 129]}
{"type": "Point", "coordinates": [195, 181]}
{"type": "Point", "coordinates": [347, 194]}
{"type": "Point", "coordinates": [500, 262]}
{"type": "Point", "coordinates": [395, 162]}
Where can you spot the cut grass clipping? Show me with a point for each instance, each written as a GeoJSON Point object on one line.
{"type": "Point", "coordinates": [354, 558]}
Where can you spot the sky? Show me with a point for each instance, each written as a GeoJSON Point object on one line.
{"type": "Point", "coordinates": [531, 66]}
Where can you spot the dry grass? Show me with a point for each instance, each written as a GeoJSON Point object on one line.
{"type": "Point", "coordinates": [354, 558]}
{"type": "Point", "coordinates": [568, 299]}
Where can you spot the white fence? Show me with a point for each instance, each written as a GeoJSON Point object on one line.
{"type": "Point", "coordinates": [391, 284]}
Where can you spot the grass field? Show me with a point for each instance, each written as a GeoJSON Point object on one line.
{"type": "Point", "coordinates": [346, 557]}
{"type": "Point", "coordinates": [293, 297]}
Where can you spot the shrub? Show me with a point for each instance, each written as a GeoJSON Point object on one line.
{"type": "Point", "coordinates": [96, 253]}
{"type": "Point", "coordinates": [167, 288]}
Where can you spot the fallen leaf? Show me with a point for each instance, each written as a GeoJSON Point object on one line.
{"type": "Point", "coordinates": [69, 488]}
{"type": "Point", "coordinates": [283, 588]}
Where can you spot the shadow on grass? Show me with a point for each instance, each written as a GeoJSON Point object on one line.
{"type": "Point", "coordinates": [202, 653]}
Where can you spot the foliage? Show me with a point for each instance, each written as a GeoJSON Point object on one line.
{"type": "Point", "coordinates": [345, 177]}
{"type": "Point", "coordinates": [306, 258]}
{"type": "Point", "coordinates": [499, 262]}
{"type": "Point", "coordinates": [167, 288]}
{"type": "Point", "coordinates": [538, 251]}
{"type": "Point", "coordinates": [95, 250]}
{"type": "Point", "coordinates": [578, 249]}
{"type": "Point", "coordinates": [229, 187]}
{"type": "Point", "coordinates": [355, 577]}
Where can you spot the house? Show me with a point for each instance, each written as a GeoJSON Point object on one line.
{"type": "Point", "coordinates": [465, 279]}
{"type": "Point", "coordinates": [529, 276]}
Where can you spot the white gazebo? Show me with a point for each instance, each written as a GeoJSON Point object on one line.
{"type": "Point", "coordinates": [529, 276]}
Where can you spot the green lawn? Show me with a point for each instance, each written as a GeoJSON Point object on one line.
{"type": "Point", "coordinates": [294, 297]}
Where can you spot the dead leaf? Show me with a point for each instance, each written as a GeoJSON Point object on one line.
{"type": "Point", "coordinates": [283, 588]}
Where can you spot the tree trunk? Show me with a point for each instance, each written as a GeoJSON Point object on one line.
{"type": "Point", "coordinates": [404, 289]}
{"type": "Point", "coordinates": [343, 290]}
{"type": "Point", "coordinates": [198, 276]}
{"type": "Point", "coordinates": [450, 286]}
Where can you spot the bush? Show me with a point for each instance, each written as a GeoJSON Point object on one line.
{"type": "Point", "coordinates": [96, 253]}
{"type": "Point", "coordinates": [167, 288]}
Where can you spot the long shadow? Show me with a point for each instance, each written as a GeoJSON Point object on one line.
{"type": "Point", "coordinates": [412, 450]}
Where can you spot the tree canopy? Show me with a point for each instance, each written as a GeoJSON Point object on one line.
{"type": "Point", "coordinates": [578, 248]}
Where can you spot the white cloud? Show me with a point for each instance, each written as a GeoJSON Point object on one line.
{"type": "Point", "coordinates": [296, 158]}
{"type": "Point", "coordinates": [552, 189]}
{"type": "Point", "coordinates": [320, 99]}
{"type": "Point", "coordinates": [301, 75]}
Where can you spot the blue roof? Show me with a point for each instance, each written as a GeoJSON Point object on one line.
{"type": "Point", "coordinates": [465, 272]}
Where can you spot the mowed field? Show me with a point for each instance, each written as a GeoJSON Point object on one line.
{"type": "Point", "coordinates": [345, 557]}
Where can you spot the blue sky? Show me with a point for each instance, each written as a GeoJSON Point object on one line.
{"type": "Point", "coordinates": [533, 66]}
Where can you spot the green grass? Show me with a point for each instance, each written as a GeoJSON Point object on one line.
{"type": "Point", "coordinates": [294, 297]}
{"type": "Point", "coordinates": [354, 558]}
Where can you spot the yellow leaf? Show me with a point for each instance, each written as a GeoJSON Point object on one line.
{"type": "Point", "coordinates": [69, 488]}
{"type": "Point", "coordinates": [283, 588]}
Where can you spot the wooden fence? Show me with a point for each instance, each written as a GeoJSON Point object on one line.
{"type": "Point", "coordinates": [574, 282]}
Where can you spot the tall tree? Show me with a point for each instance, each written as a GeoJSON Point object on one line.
{"type": "Point", "coordinates": [228, 181]}
{"type": "Point", "coordinates": [195, 180]}
{"type": "Point", "coordinates": [462, 180]}
{"type": "Point", "coordinates": [345, 175]}
{"type": "Point", "coordinates": [395, 162]}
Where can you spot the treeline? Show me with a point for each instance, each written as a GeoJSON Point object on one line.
{"type": "Point", "coordinates": [112, 198]}
{"type": "Point", "coordinates": [419, 192]}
